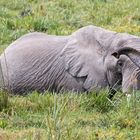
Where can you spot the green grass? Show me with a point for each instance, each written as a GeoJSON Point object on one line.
{"type": "Point", "coordinates": [70, 116]}
{"type": "Point", "coordinates": [67, 116]}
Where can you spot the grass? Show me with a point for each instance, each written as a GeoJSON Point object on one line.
{"type": "Point", "coordinates": [70, 116]}
{"type": "Point", "coordinates": [67, 116]}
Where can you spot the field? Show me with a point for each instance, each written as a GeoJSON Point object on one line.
{"type": "Point", "coordinates": [68, 116]}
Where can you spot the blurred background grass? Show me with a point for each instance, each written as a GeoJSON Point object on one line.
{"type": "Point", "coordinates": [62, 17]}
{"type": "Point", "coordinates": [67, 116]}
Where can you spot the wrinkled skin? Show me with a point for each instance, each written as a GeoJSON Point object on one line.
{"type": "Point", "coordinates": [130, 50]}
{"type": "Point", "coordinates": [79, 62]}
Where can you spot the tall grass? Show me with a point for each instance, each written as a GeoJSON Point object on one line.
{"type": "Point", "coordinates": [71, 116]}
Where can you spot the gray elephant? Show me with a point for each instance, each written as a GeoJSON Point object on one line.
{"type": "Point", "coordinates": [82, 61]}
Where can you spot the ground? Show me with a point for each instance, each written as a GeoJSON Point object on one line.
{"type": "Point", "coordinates": [68, 116]}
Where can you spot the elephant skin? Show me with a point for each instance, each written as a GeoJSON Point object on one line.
{"type": "Point", "coordinates": [80, 62]}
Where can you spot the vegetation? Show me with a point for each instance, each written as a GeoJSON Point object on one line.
{"type": "Point", "coordinates": [68, 116]}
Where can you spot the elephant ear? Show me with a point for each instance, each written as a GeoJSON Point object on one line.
{"type": "Point", "coordinates": [133, 54]}
{"type": "Point", "coordinates": [82, 54]}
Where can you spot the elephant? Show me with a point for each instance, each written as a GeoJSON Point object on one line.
{"type": "Point", "coordinates": [81, 62]}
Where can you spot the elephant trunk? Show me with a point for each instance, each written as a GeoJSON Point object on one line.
{"type": "Point", "coordinates": [131, 78]}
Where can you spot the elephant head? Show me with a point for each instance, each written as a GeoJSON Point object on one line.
{"type": "Point", "coordinates": [129, 54]}
{"type": "Point", "coordinates": [91, 52]}
{"type": "Point", "coordinates": [86, 55]}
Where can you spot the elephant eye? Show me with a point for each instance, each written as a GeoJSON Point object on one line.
{"type": "Point", "coordinates": [120, 63]}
